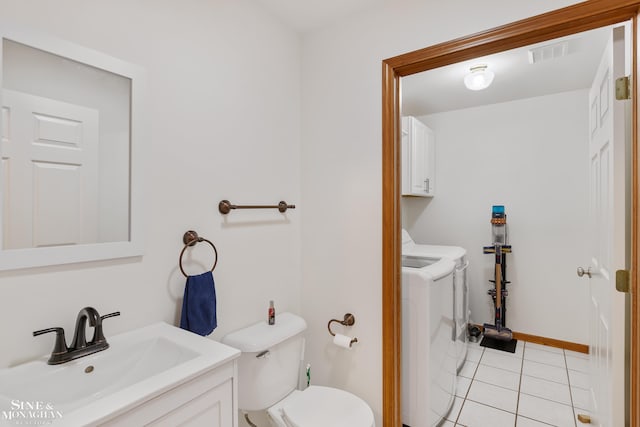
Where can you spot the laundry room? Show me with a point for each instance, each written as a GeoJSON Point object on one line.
{"type": "Point", "coordinates": [515, 186]}
{"type": "Point", "coordinates": [521, 143]}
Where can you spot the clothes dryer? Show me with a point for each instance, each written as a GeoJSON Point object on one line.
{"type": "Point", "coordinates": [428, 342]}
{"type": "Point", "coordinates": [414, 254]}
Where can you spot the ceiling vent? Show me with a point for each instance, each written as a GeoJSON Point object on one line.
{"type": "Point", "coordinates": [550, 51]}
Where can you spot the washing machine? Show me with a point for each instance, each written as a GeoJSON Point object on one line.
{"type": "Point", "coordinates": [429, 359]}
{"type": "Point", "coordinates": [414, 254]}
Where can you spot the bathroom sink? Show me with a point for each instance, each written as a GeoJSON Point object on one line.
{"type": "Point", "coordinates": [137, 366]}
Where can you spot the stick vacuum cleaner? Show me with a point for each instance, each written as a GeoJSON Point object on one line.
{"type": "Point", "coordinates": [500, 249]}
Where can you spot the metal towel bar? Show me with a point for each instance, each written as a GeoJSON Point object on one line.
{"type": "Point", "coordinates": [226, 206]}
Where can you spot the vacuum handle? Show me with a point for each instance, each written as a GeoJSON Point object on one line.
{"type": "Point", "coordinates": [498, 286]}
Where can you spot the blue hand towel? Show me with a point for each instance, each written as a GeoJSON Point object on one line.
{"type": "Point", "coordinates": [199, 305]}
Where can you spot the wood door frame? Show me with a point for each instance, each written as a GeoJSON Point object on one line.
{"type": "Point", "coordinates": [583, 16]}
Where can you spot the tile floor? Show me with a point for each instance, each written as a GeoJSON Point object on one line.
{"type": "Point", "coordinates": [537, 386]}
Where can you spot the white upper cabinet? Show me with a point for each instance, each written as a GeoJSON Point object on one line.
{"type": "Point", "coordinates": [418, 158]}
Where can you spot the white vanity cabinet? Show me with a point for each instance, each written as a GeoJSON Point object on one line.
{"type": "Point", "coordinates": [207, 400]}
{"type": "Point", "coordinates": [418, 158]}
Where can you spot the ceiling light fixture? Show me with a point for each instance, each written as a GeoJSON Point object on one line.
{"type": "Point", "coordinates": [478, 78]}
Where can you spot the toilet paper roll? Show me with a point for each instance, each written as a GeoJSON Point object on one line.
{"type": "Point", "coordinates": [342, 341]}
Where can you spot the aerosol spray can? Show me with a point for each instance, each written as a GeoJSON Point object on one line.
{"type": "Point", "coordinates": [272, 313]}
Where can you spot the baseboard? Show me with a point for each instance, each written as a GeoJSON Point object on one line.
{"type": "Point", "coordinates": [551, 342]}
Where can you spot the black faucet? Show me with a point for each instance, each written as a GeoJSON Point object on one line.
{"type": "Point", "coordinates": [79, 346]}
{"type": "Point", "coordinates": [79, 337]}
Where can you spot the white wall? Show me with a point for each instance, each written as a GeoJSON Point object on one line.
{"type": "Point", "coordinates": [341, 170]}
{"type": "Point", "coordinates": [532, 156]}
{"type": "Point", "coordinates": [224, 84]}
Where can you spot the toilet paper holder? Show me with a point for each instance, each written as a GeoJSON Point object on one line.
{"type": "Point", "coordinates": [348, 320]}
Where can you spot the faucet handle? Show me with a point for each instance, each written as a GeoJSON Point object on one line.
{"type": "Point", "coordinates": [60, 346]}
{"type": "Point", "coordinates": [98, 335]}
{"type": "Point", "coordinates": [106, 316]}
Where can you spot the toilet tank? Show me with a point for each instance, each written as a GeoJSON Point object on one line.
{"type": "Point", "coordinates": [269, 365]}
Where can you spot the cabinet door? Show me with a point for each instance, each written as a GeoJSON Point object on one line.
{"type": "Point", "coordinates": [430, 163]}
{"type": "Point", "coordinates": [406, 155]}
{"type": "Point", "coordinates": [419, 159]}
{"type": "Point", "coordinates": [212, 409]}
{"type": "Point", "coordinates": [208, 400]}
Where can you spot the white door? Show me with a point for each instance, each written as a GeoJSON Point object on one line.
{"type": "Point", "coordinates": [607, 236]}
{"type": "Point", "coordinates": [50, 164]}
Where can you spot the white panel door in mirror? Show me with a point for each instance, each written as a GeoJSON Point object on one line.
{"type": "Point", "coordinates": [51, 160]}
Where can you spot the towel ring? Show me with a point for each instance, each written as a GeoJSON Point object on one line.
{"type": "Point", "coordinates": [190, 238]}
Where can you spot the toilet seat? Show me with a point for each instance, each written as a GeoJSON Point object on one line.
{"type": "Point", "coordinates": [319, 406]}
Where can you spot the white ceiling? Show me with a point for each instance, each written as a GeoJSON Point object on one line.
{"type": "Point", "coordinates": [307, 15]}
{"type": "Point", "coordinates": [443, 89]}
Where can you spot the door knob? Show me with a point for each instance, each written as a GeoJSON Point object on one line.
{"type": "Point", "coordinates": [583, 272]}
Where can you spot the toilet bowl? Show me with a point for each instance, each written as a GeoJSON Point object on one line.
{"type": "Point", "coordinates": [268, 371]}
{"type": "Point", "coordinates": [319, 406]}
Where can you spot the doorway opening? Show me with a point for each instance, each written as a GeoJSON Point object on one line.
{"type": "Point", "coordinates": [577, 18]}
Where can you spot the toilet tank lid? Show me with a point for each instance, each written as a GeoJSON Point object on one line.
{"type": "Point", "coordinates": [261, 336]}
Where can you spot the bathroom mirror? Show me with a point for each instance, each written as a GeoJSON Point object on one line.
{"type": "Point", "coordinates": [72, 128]}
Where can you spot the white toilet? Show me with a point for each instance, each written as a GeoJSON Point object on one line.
{"type": "Point", "coordinates": [268, 372]}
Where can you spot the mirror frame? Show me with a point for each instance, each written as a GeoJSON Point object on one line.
{"type": "Point", "coordinates": [13, 259]}
{"type": "Point", "coordinates": [580, 17]}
